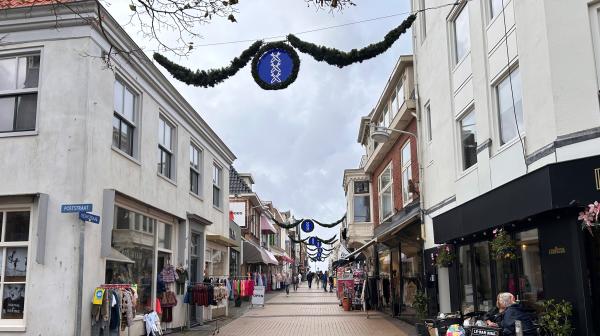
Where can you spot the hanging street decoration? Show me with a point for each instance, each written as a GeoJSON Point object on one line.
{"type": "Point", "coordinates": [302, 221]}
{"type": "Point", "coordinates": [340, 58]}
{"type": "Point", "coordinates": [308, 225]}
{"type": "Point", "coordinates": [334, 224]}
{"type": "Point", "coordinates": [275, 65]}
{"type": "Point", "coordinates": [212, 77]}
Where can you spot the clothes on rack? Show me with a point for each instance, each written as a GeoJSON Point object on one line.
{"type": "Point", "coordinates": [114, 310]}
{"type": "Point", "coordinates": [152, 324]}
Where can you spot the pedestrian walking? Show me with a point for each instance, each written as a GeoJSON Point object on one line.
{"type": "Point", "coordinates": [299, 279]}
{"type": "Point", "coordinates": [324, 281]}
{"type": "Point", "coordinates": [319, 275]}
{"type": "Point", "coordinates": [331, 283]}
{"type": "Point", "coordinates": [287, 282]}
{"type": "Point", "coordinates": [295, 282]}
{"type": "Point", "coordinates": [309, 278]}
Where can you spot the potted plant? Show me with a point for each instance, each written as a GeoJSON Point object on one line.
{"type": "Point", "coordinates": [503, 246]}
{"type": "Point", "coordinates": [420, 306]}
{"type": "Point", "coordinates": [555, 319]}
{"type": "Point", "coordinates": [444, 257]}
{"type": "Point", "coordinates": [589, 217]}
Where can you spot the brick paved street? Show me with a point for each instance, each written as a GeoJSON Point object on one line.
{"type": "Point", "coordinates": [310, 313]}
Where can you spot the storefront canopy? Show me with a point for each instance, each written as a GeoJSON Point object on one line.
{"type": "Point", "coordinates": [266, 224]}
{"type": "Point", "coordinates": [253, 254]}
{"type": "Point", "coordinates": [270, 258]}
{"type": "Point", "coordinates": [555, 186]}
{"type": "Point", "coordinates": [356, 252]}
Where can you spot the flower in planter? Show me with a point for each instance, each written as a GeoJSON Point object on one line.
{"type": "Point", "coordinates": [503, 246]}
{"type": "Point", "coordinates": [589, 217]}
{"type": "Point", "coordinates": [444, 256]}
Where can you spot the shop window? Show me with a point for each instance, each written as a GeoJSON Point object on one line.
{"type": "Point", "coordinates": [468, 139]}
{"type": "Point", "coordinates": [166, 133]}
{"type": "Point", "coordinates": [19, 78]}
{"type": "Point", "coordinates": [483, 276]}
{"type": "Point", "coordinates": [14, 248]}
{"type": "Point", "coordinates": [195, 169]}
{"type": "Point", "coordinates": [234, 261]}
{"type": "Point", "coordinates": [523, 277]}
{"type": "Point", "coordinates": [510, 107]}
{"type": "Point", "coordinates": [124, 118]}
{"type": "Point", "coordinates": [217, 186]}
{"type": "Point", "coordinates": [386, 117]}
{"type": "Point", "coordinates": [362, 202]}
{"type": "Point", "coordinates": [407, 195]}
{"type": "Point", "coordinates": [139, 242]}
{"type": "Point", "coordinates": [385, 194]}
{"type": "Point", "coordinates": [462, 37]}
{"type": "Point", "coordinates": [399, 94]}
{"type": "Point", "coordinates": [466, 279]}
{"type": "Point", "coordinates": [215, 262]}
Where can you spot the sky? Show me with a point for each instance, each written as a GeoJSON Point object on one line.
{"type": "Point", "coordinates": [295, 142]}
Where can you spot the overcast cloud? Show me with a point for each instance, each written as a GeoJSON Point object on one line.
{"type": "Point", "coordinates": [296, 142]}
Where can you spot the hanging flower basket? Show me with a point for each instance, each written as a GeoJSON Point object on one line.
{"type": "Point", "coordinates": [444, 257]}
{"type": "Point", "coordinates": [503, 246]}
{"type": "Point", "coordinates": [589, 217]}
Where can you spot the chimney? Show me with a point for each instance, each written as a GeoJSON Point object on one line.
{"type": "Point", "coordinates": [247, 178]}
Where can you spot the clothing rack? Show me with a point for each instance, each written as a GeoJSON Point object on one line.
{"type": "Point", "coordinates": [116, 286]}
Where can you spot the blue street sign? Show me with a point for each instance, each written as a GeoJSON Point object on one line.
{"type": "Point", "coordinates": [68, 208]}
{"type": "Point", "coordinates": [88, 217]}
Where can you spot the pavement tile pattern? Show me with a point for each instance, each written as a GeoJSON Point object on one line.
{"type": "Point", "coordinates": [310, 312]}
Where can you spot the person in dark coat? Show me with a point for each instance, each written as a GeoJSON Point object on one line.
{"type": "Point", "coordinates": [324, 278]}
{"type": "Point", "coordinates": [510, 312]}
{"type": "Point", "coordinates": [309, 278]}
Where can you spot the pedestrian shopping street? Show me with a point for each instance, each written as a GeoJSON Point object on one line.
{"type": "Point", "coordinates": [308, 312]}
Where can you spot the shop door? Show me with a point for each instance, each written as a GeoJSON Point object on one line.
{"type": "Point", "coordinates": [195, 274]}
{"type": "Point", "coordinates": [593, 252]}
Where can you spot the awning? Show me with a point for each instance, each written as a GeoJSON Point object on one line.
{"type": "Point", "coordinates": [253, 254]}
{"type": "Point", "coordinates": [221, 240]}
{"type": "Point", "coordinates": [266, 224]}
{"type": "Point", "coordinates": [284, 258]}
{"type": "Point", "coordinates": [119, 257]}
{"type": "Point", "coordinates": [399, 221]}
{"type": "Point", "coordinates": [270, 258]}
{"type": "Point", "coordinates": [360, 249]}
{"type": "Point", "coordinates": [555, 186]}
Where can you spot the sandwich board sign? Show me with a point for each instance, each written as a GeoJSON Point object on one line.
{"type": "Point", "coordinates": [258, 297]}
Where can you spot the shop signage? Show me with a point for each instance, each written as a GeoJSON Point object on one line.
{"type": "Point", "coordinates": [485, 331]}
{"type": "Point", "coordinates": [597, 176]}
{"type": "Point", "coordinates": [239, 213]}
{"type": "Point", "coordinates": [557, 250]}
{"type": "Point", "coordinates": [88, 217]}
{"type": "Point", "coordinates": [69, 208]}
{"type": "Point", "coordinates": [258, 296]}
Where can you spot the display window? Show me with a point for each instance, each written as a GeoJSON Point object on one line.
{"type": "Point", "coordinates": [14, 249]}
{"type": "Point", "coordinates": [481, 277]}
{"type": "Point", "coordinates": [140, 242]}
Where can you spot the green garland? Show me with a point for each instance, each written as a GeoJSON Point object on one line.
{"type": "Point", "coordinates": [340, 58]}
{"type": "Point", "coordinates": [286, 226]}
{"type": "Point", "coordinates": [212, 77]}
{"type": "Point", "coordinates": [330, 225]}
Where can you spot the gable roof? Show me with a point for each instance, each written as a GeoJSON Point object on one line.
{"type": "Point", "coordinates": [237, 184]}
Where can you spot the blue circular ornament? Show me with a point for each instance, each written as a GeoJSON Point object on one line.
{"type": "Point", "coordinates": [275, 66]}
{"type": "Point", "coordinates": [308, 225]}
{"type": "Point", "coordinates": [312, 240]}
{"type": "Point", "coordinates": [318, 243]}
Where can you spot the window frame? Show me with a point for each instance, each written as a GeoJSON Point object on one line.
{"type": "Point", "coordinates": [20, 244]}
{"type": "Point", "coordinates": [462, 116]}
{"type": "Point", "coordinates": [198, 170]}
{"type": "Point", "coordinates": [423, 21]}
{"type": "Point", "coordinates": [456, 58]}
{"type": "Point", "coordinates": [15, 93]}
{"type": "Point", "coordinates": [123, 119]}
{"type": "Point", "coordinates": [406, 168]}
{"type": "Point", "coordinates": [356, 194]}
{"type": "Point", "coordinates": [428, 129]}
{"type": "Point", "coordinates": [492, 14]}
{"type": "Point", "coordinates": [162, 149]}
{"type": "Point", "coordinates": [218, 184]}
{"type": "Point", "coordinates": [496, 96]}
{"type": "Point", "coordinates": [382, 189]}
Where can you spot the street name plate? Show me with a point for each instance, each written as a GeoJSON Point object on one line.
{"type": "Point", "coordinates": [88, 217]}
{"type": "Point", "coordinates": [68, 208]}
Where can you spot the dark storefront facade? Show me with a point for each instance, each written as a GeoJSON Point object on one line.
{"type": "Point", "coordinates": [399, 256]}
{"type": "Point", "coordinates": [555, 258]}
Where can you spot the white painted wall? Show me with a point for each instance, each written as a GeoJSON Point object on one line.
{"type": "Point", "coordinates": [551, 42]}
{"type": "Point", "coordinates": [70, 158]}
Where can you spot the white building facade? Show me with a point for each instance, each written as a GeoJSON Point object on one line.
{"type": "Point", "coordinates": [73, 131]}
{"type": "Point", "coordinates": [508, 113]}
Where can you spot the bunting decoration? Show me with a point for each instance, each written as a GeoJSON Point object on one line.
{"type": "Point", "coordinates": [275, 65]}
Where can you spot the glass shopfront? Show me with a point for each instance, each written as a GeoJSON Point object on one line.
{"type": "Point", "coordinates": [481, 278]}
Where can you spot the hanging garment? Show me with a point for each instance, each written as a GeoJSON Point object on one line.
{"type": "Point", "coordinates": [126, 309]}
{"type": "Point", "coordinates": [168, 274]}
{"type": "Point", "coordinates": [169, 299]}
{"type": "Point", "coordinates": [152, 324]}
{"type": "Point", "coordinates": [167, 315]}
{"type": "Point", "coordinates": [115, 311]}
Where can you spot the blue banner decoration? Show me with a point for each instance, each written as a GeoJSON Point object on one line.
{"type": "Point", "coordinates": [308, 225]}
{"type": "Point", "coordinates": [276, 66]}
